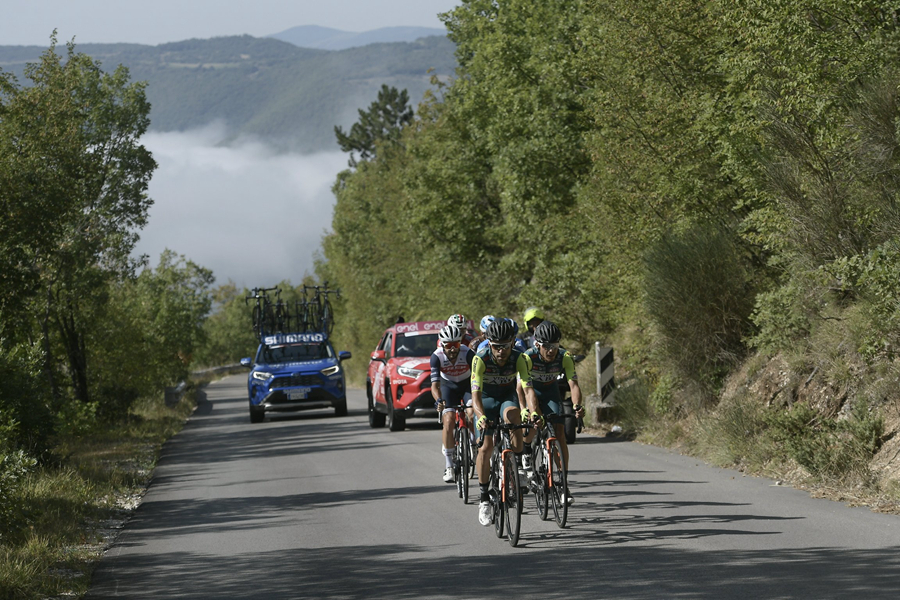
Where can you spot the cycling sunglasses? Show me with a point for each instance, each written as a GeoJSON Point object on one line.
{"type": "Point", "coordinates": [550, 347]}
{"type": "Point", "coordinates": [503, 346]}
{"type": "Point", "coordinates": [450, 345]}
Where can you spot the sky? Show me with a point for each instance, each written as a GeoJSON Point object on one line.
{"type": "Point", "coordinates": [254, 216]}
{"type": "Point", "coordinates": [30, 22]}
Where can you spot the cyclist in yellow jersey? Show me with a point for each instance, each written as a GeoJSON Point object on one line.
{"type": "Point", "coordinates": [547, 361]}
{"type": "Point", "coordinates": [494, 373]}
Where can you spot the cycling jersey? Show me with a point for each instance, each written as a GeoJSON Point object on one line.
{"type": "Point", "coordinates": [456, 371]}
{"type": "Point", "coordinates": [545, 376]}
{"type": "Point", "coordinates": [499, 380]}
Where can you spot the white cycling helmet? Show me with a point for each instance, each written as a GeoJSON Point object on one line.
{"type": "Point", "coordinates": [450, 333]}
{"type": "Point", "coordinates": [458, 320]}
{"type": "Point", "coordinates": [485, 321]}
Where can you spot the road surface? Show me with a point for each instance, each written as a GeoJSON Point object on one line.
{"type": "Point", "coordinates": [314, 506]}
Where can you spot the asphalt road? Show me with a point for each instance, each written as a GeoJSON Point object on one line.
{"type": "Point", "coordinates": [314, 506]}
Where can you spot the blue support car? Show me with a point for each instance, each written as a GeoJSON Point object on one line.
{"type": "Point", "coordinates": [296, 371]}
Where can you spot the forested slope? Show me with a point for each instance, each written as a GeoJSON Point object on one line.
{"type": "Point", "coordinates": [264, 87]}
{"type": "Point", "coordinates": [699, 184]}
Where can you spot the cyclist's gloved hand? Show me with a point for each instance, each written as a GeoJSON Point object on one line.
{"type": "Point", "coordinates": [537, 419]}
{"type": "Point", "coordinates": [579, 410]}
{"type": "Point", "coordinates": [439, 405]}
{"type": "Point", "coordinates": [481, 423]}
{"type": "Point", "coordinates": [525, 414]}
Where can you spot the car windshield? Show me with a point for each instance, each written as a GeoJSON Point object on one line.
{"type": "Point", "coordinates": [415, 345]}
{"type": "Point", "coordinates": [294, 352]}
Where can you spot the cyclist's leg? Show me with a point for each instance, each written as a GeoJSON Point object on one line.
{"type": "Point", "coordinates": [483, 462]}
{"type": "Point", "coordinates": [513, 414]}
{"type": "Point", "coordinates": [451, 398]}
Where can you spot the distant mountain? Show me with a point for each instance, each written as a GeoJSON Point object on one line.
{"type": "Point", "coordinates": [325, 38]}
{"type": "Point", "coordinates": [292, 97]}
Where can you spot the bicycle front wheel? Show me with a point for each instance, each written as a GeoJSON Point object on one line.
{"type": "Point", "coordinates": [558, 485]}
{"type": "Point", "coordinates": [540, 482]}
{"type": "Point", "coordinates": [512, 498]}
{"type": "Point", "coordinates": [464, 456]}
{"type": "Point", "coordinates": [495, 493]}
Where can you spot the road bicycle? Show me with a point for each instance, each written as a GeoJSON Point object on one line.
{"type": "Point", "coordinates": [548, 481]}
{"type": "Point", "coordinates": [319, 314]}
{"type": "Point", "coordinates": [504, 493]}
{"type": "Point", "coordinates": [262, 317]}
{"type": "Point", "coordinates": [464, 458]}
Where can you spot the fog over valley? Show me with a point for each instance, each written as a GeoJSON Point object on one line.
{"type": "Point", "coordinates": [249, 213]}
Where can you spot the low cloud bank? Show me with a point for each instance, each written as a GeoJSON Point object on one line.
{"type": "Point", "coordinates": [249, 213]}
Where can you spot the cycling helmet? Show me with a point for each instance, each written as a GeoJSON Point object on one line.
{"type": "Point", "coordinates": [458, 320]}
{"type": "Point", "coordinates": [533, 312]}
{"type": "Point", "coordinates": [485, 321]}
{"type": "Point", "coordinates": [450, 333]}
{"type": "Point", "coordinates": [500, 331]}
{"type": "Point", "coordinates": [514, 324]}
{"type": "Point", "coordinates": [547, 333]}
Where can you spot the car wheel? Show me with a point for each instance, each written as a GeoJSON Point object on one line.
{"type": "Point", "coordinates": [257, 414]}
{"type": "Point", "coordinates": [396, 421]}
{"type": "Point", "coordinates": [376, 419]}
{"type": "Point", "coordinates": [340, 407]}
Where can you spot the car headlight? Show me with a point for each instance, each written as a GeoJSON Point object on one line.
{"type": "Point", "coordinates": [410, 372]}
{"type": "Point", "coordinates": [330, 370]}
{"type": "Point", "coordinates": [261, 375]}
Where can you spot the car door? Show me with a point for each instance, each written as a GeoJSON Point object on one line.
{"type": "Point", "coordinates": [380, 369]}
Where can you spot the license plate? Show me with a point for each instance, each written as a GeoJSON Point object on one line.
{"type": "Point", "coordinates": [298, 394]}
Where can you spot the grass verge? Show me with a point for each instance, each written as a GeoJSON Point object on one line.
{"type": "Point", "coordinates": [67, 510]}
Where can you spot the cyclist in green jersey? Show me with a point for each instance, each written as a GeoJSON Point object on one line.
{"type": "Point", "coordinates": [494, 373]}
{"type": "Point", "coordinates": [546, 361]}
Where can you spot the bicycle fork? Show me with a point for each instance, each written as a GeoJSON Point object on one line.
{"type": "Point", "coordinates": [503, 489]}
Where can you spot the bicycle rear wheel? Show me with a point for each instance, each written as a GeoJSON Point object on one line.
{"type": "Point", "coordinates": [257, 321]}
{"type": "Point", "coordinates": [512, 501]}
{"type": "Point", "coordinates": [327, 317]}
{"type": "Point", "coordinates": [539, 461]}
{"type": "Point", "coordinates": [496, 498]}
{"type": "Point", "coordinates": [558, 485]}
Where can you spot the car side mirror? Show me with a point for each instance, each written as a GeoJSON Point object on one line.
{"type": "Point", "coordinates": [344, 355]}
{"type": "Point", "coordinates": [379, 355]}
{"type": "Point", "coordinates": [247, 362]}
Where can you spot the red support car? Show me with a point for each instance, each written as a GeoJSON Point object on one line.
{"type": "Point", "coordinates": [398, 383]}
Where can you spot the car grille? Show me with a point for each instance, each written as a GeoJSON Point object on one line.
{"type": "Point", "coordinates": [295, 380]}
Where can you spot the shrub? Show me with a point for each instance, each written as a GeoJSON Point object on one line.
{"type": "Point", "coordinates": [698, 293]}
{"type": "Point", "coordinates": [829, 448]}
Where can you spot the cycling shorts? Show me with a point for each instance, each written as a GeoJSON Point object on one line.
{"type": "Point", "coordinates": [549, 400]}
{"type": "Point", "coordinates": [495, 407]}
{"type": "Point", "coordinates": [454, 394]}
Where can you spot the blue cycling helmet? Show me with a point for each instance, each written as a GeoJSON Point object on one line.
{"type": "Point", "coordinates": [485, 321]}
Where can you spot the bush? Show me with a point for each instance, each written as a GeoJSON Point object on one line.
{"type": "Point", "coordinates": [13, 468]}
{"type": "Point", "coordinates": [699, 295]}
{"type": "Point", "coordinates": [829, 448]}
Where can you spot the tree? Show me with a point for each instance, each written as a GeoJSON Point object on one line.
{"type": "Point", "coordinates": [381, 123]}
{"type": "Point", "coordinates": [73, 178]}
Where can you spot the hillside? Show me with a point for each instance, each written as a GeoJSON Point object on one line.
{"type": "Point", "coordinates": [262, 86]}
{"type": "Point", "coordinates": [326, 38]}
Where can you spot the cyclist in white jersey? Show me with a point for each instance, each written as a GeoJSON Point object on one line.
{"type": "Point", "coordinates": [451, 370]}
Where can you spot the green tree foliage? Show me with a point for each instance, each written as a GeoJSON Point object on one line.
{"type": "Point", "coordinates": [693, 177]}
{"type": "Point", "coordinates": [81, 333]}
{"type": "Point", "coordinates": [381, 124]}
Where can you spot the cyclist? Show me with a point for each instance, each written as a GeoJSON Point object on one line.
{"type": "Point", "coordinates": [533, 317]}
{"type": "Point", "coordinates": [451, 368]}
{"type": "Point", "coordinates": [494, 373]}
{"type": "Point", "coordinates": [546, 361]}
{"type": "Point", "coordinates": [460, 321]}
{"type": "Point", "coordinates": [476, 342]}
{"type": "Point", "coordinates": [518, 344]}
